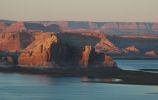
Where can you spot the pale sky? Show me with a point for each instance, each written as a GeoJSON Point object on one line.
{"type": "Point", "coordinates": [85, 10]}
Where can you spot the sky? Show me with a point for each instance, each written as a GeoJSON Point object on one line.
{"type": "Point", "coordinates": [80, 10]}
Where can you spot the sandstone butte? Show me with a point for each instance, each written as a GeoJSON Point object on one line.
{"type": "Point", "coordinates": [47, 49]}
{"type": "Point", "coordinates": [131, 49]}
{"type": "Point", "coordinates": [38, 53]}
{"type": "Point", "coordinates": [151, 53]}
{"type": "Point", "coordinates": [104, 45]}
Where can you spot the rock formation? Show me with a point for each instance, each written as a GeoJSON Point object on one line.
{"type": "Point", "coordinates": [15, 27]}
{"type": "Point", "coordinates": [15, 41]}
{"type": "Point", "coordinates": [108, 61]}
{"type": "Point", "coordinates": [63, 50]}
{"type": "Point", "coordinates": [28, 26]}
{"type": "Point", "coordinates": [85, 56]}
{"type": "Point", "coordinates": [106, 46]}
{"type": "Point", "coordinates": [38, 53]}
{"type": "Point", "coordinates": [9, 42]}
{"type": "Point", "coordinates": [131, 49]}
{"type": "Point", "coordinates": [151, 54]}
{"type": "Point", "coordinates": [108, 28]}
{"type": "Point", "coordinates": [140, 43]}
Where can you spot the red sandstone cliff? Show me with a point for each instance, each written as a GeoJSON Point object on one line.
{"type": "Point", "coordinates": [15, 41]}
{"type": "Point", "coordinates": [9, 41]}
{"type": "Point", "coordinates": [71, 50]}
{"type": "Point", "coordinates": [38, 53]}
{"type": "Point", "coordinates": [15, 27]}
{"type": "Point", "coordinates": [85, 56]}
{"type": "Point", "coordinates": [104, 45]}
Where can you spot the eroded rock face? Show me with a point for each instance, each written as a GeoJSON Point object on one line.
{"type": "Point", "coordinates": [131, 49]}
{"type": "Point", "coordinates": [15, 41]}
{"type": "Point", "coordinates": [9, 42]}
{"type": "Point", "coordinates": [38, 53]}
{"type": "Point", "coordinates": [109, 62]}
{"type": "Point", "coordinates": [65, 50]}
{"type": "Point", "coordinates": [106, 46]}
{"type": "Point", "coordinates": [15, 27]}
{"type": "Point", "coordinates": [85, 56]}
{"type": "Point", "coordinates": [29, 27]}
{"type": "Point", "coordinates": [47, 49]}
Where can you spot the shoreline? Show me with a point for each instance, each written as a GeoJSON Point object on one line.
{"type": "Point", "coordinates": [105, 75]}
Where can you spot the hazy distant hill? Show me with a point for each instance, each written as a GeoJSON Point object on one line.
{"type": "Point", "coordinates": [109, 28]}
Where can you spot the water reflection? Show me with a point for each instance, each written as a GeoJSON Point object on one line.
{"type": "Point", "coordinates": [98, 80]}
{"type": "Point", "coordinates": [137, 64]}
{"type": "Point", "coordinates": [42, 87]}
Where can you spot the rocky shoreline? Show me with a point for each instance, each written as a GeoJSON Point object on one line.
{"type": "Point", "coordinates": [100, 75]}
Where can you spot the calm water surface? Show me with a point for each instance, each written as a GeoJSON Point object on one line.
{"type": "Point", "coordinates": [137, 64]}
{"type": "Point", "coordinates": [39, 87]}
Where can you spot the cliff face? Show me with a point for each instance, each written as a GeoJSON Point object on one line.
{"type": "Point", "coordinates": [38, 53]}
{"type": "Point", "coordinates": [85, 56]}
{"type": "Point", "coordinates": [9, 41]}
{"type": "Point", "coordinates": [63, 50]}
{"type": "Point", "coordinates": [15, 41]}
{"type": "Point", "coordinates": [15, 27]}
{"type": "Point", "coordinates": [132, 38]}
{"type": "Point", "coordinates": [106, 46]}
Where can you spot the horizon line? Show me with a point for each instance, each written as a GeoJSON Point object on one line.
{"type": "Point", "coordinates": [78, 21]}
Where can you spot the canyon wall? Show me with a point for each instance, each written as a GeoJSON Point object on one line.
{"type": "Point", "coordinates": [9, 42]}
{"type": "Point", "coordinates": [47, 49]}
{"type": "Point", "coordinates": [107, 28]}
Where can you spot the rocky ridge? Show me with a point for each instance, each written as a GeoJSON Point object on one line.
{"type": "Point", "coordinates": [48, 49]}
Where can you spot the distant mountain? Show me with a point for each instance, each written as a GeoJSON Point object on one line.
{"type": "Point", "coordinates": [108, 28]}
{"type": "Point", "coordinates": [26, 26]}
{"type": "Point", "coordinates": [7, 21]}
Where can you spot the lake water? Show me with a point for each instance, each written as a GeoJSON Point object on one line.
{"type": "Point", "coordinates": [137, 64]}
{"type": "Point", "coordinates": [15, 86]}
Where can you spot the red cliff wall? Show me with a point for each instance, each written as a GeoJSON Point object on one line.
{"type": "Point", "coordinates": [9, 41]}
{"type": "Point", "coordinates": [38, 53]}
